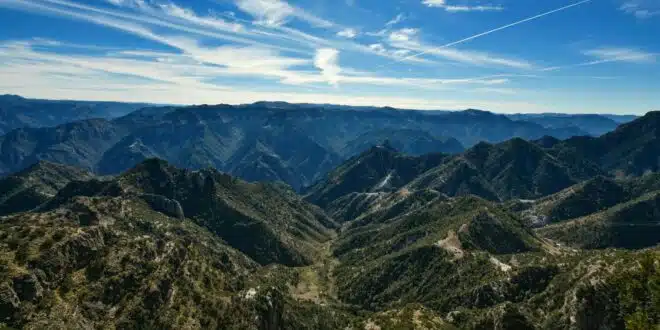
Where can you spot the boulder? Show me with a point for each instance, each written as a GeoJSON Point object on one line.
{"type": "Point", "coordinates": [164, 205]}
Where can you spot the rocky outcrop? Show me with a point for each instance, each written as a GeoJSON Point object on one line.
{"type": "Point", "coordinates": [76, 253]}
{"type": "Point", "coordinates": [164, 205]}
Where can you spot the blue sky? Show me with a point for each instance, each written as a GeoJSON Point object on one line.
{"type": "Point", "coordinates": [592, 56]}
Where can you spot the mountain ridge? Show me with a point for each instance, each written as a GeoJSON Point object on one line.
{"type": "Point", "coordinates": [534, 233]}
{"type": "Point", "coordinates": [232, 138]}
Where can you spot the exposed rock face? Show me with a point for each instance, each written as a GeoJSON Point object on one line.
{"type": "Point", "coordinates": [164, 205]}
{"type": "Point", "coordinates": [77, 252]}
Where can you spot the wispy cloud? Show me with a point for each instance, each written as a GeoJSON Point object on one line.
{"type": "Point", "coordinates": [348, 33]}
{"type": "Point", "coordinates": [138, 22]}
{"type": "Point", "coordinates": [182, 20]}
{"type": "Point", "coordinates": [482, 34]}
{"type": "Point", "coordinates": [186, 21]}
{"type": "Point", "coordinates": [150, 76]}
{"type": "Point", "coordinates": [642, 9]}
{"type": "Point", "coordinates": [197, 67]}
{"type": "Point", "coordinates": [609, 55]}
{"type": "Point", "coordinates": [396, 20]}
{"type": "Point", "coordinates": [261, 48]}
{"type": "Point", "coordinates": [188, 15]}
{"type": "Point", "coordinates": [403, 35]}
{"type": "Point", "coordinates": [460, 8]}
{"type": "Point", "coordinates": [408, 39]}
{"type": "Point", "coordinates": [327, 60]}
{"type": "Point", "coordinates": [278, 12]}
{"type": "Point", "coordinates": [377, 48]}
{"type": "Point", "coordinates": [614, 54]}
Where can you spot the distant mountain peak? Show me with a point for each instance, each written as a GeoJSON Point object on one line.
{"type": "Point", "coordinates": [547, 141]}
{"type": "Point", "coordinates": [12, 97]}
{"type": "Point", "coordinates": [387, 145]}
{"type": "Point", "coordinates": [39, 164]}
{"type": "Point", "coordinates": [42, 166]}
{"type": "Point", "coordinates": [520, 145]}
{"type": "Point", "coordinates": [476, 111]}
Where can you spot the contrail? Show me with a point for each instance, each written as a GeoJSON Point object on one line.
{"type": "Point", "coordinates": [493, 30]}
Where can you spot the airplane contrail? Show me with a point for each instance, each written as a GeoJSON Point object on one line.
{"type": "Point", "coordinates": [493, 30]}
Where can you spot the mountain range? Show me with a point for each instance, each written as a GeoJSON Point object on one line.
{"type": "Point", "coordinates": [512, 169]}
{"type": "Point", "coordinates": [161, 247]}
{"type": "Point", "coordinates": [266, 141]}
{"type": "Point", "coordinates": [147, 231]}
{"type": "Point", "coordinates": [592, 124]}
{"type": "Point", "coordinates": [18, 112]}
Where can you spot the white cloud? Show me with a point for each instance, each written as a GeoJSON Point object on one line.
{"type": "Point", "coordinates": [408, 39]}
{"type": "Point", "coordinates": [327, 60]}
{"type": "Point", "coordinates": [401, 52]}
{"type": "Point", "coordinates": [396, 20]}
{"type": "Point", "coordinates": [457, 9]}
{"type": "Point", "coordinates": [27, 66]}
{"type": "Point", "coordinates": [348, 33]}
{"type": "Point", "coordinates": [119, 20]}
{"type": "Point", "coordinates": [277, 12]}
{"type": "Point", "coordinates": [186, 14]}
{"type": "Point", "coordinates": [180, 79]}
{"type": "Point", "coordinates": [194, 64]}
{"type": "Point", "coordinates": [379, 33]}
{"type": "Point", "coordinates": [403, 35]}
{"type": "Point", "coordinates": [642, 9]}
{"type": "Point", "coordinates": [614, 54]}
{"type": "Point", "coordinates": [267, 12]}
{"type": "Point", "coordinates": [170, 10]}
{"type": "Point", "coordinates": [379, 48]}
{"type": "Point", "coordinates": [500, 28]}
{"type": "Point", "coordinates": [609, 55]}
{"type": "Point", "coordinates": [129, 3]}
{"type": "Point", "coordinates": [152, 15]}
{"type": "Point", "coordinates": [460, 8]}
{"type": "Point", "coordinates": [505, 91]}
{"type": "Point", "coordinates": [434, 3]}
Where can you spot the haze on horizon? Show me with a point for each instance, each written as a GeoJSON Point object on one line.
{"type": "Point", "coordinates": [590, 56]}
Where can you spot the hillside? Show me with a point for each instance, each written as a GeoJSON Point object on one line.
{"type": "Point", "coordinates": [80, 144]}
{"type": "Point", "coordinates": [632, 225]}
{"type": "Point", "coordinates": [411, 142]}
{"type": "Point", "coordinates": [163, 247]}
{"type": "Point", "coordinates": [594, 125]}
{"type": "Point", "coordinates": [581, 199]}
{"type": "Point", "coordinates": [200, 223]}
{"type": "Point", "coordinates": [519, 169]}
{"type": "Point", "coordinates": [512, 169]}
{"type": "Point", "coordinates": [478, 265]}
{"type": "Point", "coordinates": [631, 149]}
{"type": "Point", "coordinates": [115, 262]}
{"type": "Point", "coordinates": [18, 112]}
{"type": "Point", "coordinates": [359, 208]}
{"type": "Point", "coordinates": [296, 144]}
{"type": "Point", "coordinates": [35, 185]}
{"type": "Point", "coordinates": [381, 168]}
{"type": "Point", "coordinates": [281, 227]}
{"type": "Point", "coordinates": [417, 256]}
